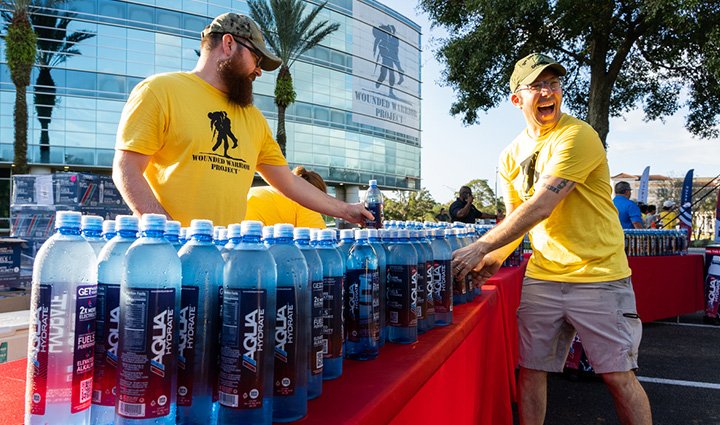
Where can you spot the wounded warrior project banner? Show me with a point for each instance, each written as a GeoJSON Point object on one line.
{"type": "Point", "coordinates": [385, 72]}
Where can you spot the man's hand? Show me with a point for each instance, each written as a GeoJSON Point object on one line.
{"type": "Point", "coordinates": [485, 270]}
{"type": "Point", "coordinates": [467, 259]}
{"type": "Point", "coordinates": [469, 199]}
{"type": "Point", "coordinates": [357, 213]}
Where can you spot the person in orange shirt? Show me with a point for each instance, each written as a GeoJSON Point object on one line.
{"type": "Point", "coordinates": [267, 204]}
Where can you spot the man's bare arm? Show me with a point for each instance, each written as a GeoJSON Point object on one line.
{"type": "Point", "coordinates": [128, 169]}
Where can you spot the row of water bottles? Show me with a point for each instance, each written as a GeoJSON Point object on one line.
{"type": "Point", "coordinates": [246, 334]}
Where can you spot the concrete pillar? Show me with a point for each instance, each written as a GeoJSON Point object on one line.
{"type": "Point", "coordinates": [352, 194]}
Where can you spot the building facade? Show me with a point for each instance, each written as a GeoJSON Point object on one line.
{"type": "Point", "coordinates": [356, 118]}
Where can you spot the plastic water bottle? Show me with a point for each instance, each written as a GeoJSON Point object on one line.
{"type": "Point", "coordinates": [402, 277]}
{"type": "Point", "coordinates": [459, 287]}
{"type": "Point", "coordinates": [220, 237]}
{"type": "Point", "coordinates": [442, 278]}
{"type": "Point", "coordinates": [248, 331]}
{"type": "Point", "coordinates": [92, 231]}
{"type": "Point", "coordinates": [333, 276]}
{"type": "Point", "coordinates": [108, 230]}
{"type": "Point", "coordinates": [374, 203]}
{"type": "Point", "coordinates": [421, 301]}
{"type": "Point", "coordinates": [362, 300]}
{"type": "Point", "coordinates": [110, 270]}
{"type": "Point", "coordinates": [292, 327]}
{"type": "Point", "coordinates": [199, 327]}
{"type": "Point", "coordinates": [234, 235]}
{"type": "Point", "coordinates": [315, 272]}
{"type": "Point", "coordinates": [182, 237]}
{"type": "Point", "coordinates": [172, 234]}
{"type": "Point", "coordinates": [62, 327]}
{"type": "Point", "coordinates": [268, 235]}
{"type": "Point", "coordinates": [149, 307]}
{"type": "Point", "coordinates": [347, 239]}
{"type": "Point", "coordinates": [375, 242]}
{"type": "Point", "coordinates": [429, 321]}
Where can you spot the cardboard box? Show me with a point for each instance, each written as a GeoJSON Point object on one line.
{"type": "Point", "coordinates": [14, 327]}
{"type": "Point", "coordinates": [34, 222]}
{"type": "Point", "coordinates": [14, 300]}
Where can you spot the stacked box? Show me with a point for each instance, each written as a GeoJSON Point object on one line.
{"type": "Point", "coordinates": [10, 263]}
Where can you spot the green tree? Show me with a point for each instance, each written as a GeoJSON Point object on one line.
{"type": "Point", "coordinates": [20, 50]}
{"type": "Point", "coordinates": [290, 32]}
{"type": "Point", "coordinates": [411, 205]}
{"type": "Point", "coordinates": [619, 54]}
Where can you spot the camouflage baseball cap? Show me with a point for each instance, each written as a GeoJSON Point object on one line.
{"type": "Point", "coordinates": [243, 26]}
{"type": "Point", "coordinates": [528, 68]}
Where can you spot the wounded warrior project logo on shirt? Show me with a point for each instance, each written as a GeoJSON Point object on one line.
{"type": "Point", "coordinates": [223, 140]}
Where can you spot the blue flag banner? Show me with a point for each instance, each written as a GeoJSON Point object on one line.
{"type": "Point", "coordinates": [644, 180]}
{"type": "Point", "coordinates": [686, 202]}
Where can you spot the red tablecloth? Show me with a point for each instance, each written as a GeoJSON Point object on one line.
{"type": "Point", "coordinates": [456, 374]}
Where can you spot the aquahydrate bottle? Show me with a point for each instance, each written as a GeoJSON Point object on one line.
{"type": "Point", "coordinates": [110, 270]}
{"type": "Point", "coordinates": [61, 339]}
{"type": "Point", "coordinates": [374, 239]}
{"type": "Point", "coordinates": [333, 277]}
{"type": "Point", "coordinates": [92, 231]}
{"type": "Point", "coordinates": [421, 300]}
{"type": "Point", "coordinates": [199, 327]}
{"type": "Point", "coordinates": [234, 235]}
{"type": "Point", "coordinates": [442, 278]}
{"type": "Point", "coordinates": [362, 300]}
{"type": "Point", "coordinates": [459, 287]}
{"type": "Point", "coordinates": [347, 239]}
{"type": "Point", "coordinates": [248, 331]}
{"type": "Point", "coordinates": [267, 235]}
{"type": "Point", "coordinates": [172, 233]}
{"type": "Point", "coordinates": [374, 203]}
{"type": "Point", "coordinates": [292, 327]}
{"type": "Point", "coordinates": [149, 315]}
{"type": "Point", "coordinates": [108, 231]}
{"type": "Point", "coordinates": [402, 276]}
{"type": "Point", "coordinates": [427, 320]}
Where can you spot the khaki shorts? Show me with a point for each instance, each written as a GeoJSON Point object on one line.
{"type": "Point", "coordinates": [602, 313]}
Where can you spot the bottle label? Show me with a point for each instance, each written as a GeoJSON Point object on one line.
{"type": "Point", "coordinates": [106, 344]}
{"type": "Point", "coordinates": [429, 297]}
{"type": "Point", "coordinates": [421, 288]}
{"type": "Point", "coordinates": [244, 339]}
{"type": "Point", "coordinates": [377, 211]}
{"type": "Point", "coordinates": [286, 344]}
{"type": "Point", "coordinates": [402, 295]}
{"type": "Point", "coordinates": [215, 372]}
{"type": "Point", "coordinates": [186, 345]}
{"type": "Point", "coordinates": [39, 348]}
{"type": "Point", "coordinates": [442, 295]}
{"type": "Point", "coordinates": [332, 316]}
{"type": "Point", "coordinates": [316, 360]}
{"type": "Point", "coordinates": [84, 349]}
{"type": "Point", "coordinates": [362, 305]}
{"type": "Point", "coordinates": [147, 357]}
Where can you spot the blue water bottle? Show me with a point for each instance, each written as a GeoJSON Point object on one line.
{"type": "Point", "coordinates": [333, 277]}
{"type": "Point", "coordinates": [62, 328]}
{"type": "Point", "coordinates": [220, 237]}
{"type": "Point", "coordinates": [362, 300]}
{"type": "Point", "coordinates": [402, 276]}
{"type": "Point", "coordinates": [376, 243]}
{"type": "Point", "coordinates": [110, 270]}
{"type": "Point", "coordinates": [429, 321]}
{"type": "Point", "coordinates": [172, 233]}
{"type": "Point", "coordinates": [347, 239]}
{"type": "Point", "coordinates": [248, 328]}
{"type": "Point", "coordinates": [234, 235]}
{"type": "Point", "coordinates": [459, 287]}
{"type": "Point", "coordinates": [421, 300]}
{"type": "Point", "coordinates": [108, 231]}
{"type": "Point", "coordinates": [442, 278]}
{"type": "Point", "coordinates": [374, 203]}
{"type": "Point", "coordinates": [149, 307]}
{"type": "Point", "coordinates": [315, 272]}
{"type": "Point", "coordinates": [199, 327]}
{"type": "Point", "coordinates": [292, 327]}
{"type": "Point", "coordinates": [92, 232]}
{"type": "Point", "coordinates": [268, 235]}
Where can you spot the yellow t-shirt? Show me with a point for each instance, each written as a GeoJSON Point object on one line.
{"type": "Point", "coordinates": [266, 204]}
{"type": "Point", "coordinates": [668, 220]}
{"type": "Point", "coordinates": [204, 149]}
{"type": "Point", "coordinates": [582, 240]}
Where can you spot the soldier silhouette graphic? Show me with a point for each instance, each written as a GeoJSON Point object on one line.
{"type": "Point", "coordinates": [221, 125]}
{"type": "Point", "coordinates": [386, 49]}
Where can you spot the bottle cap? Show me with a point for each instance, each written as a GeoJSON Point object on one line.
{"type": "Point", "coordinates": [373, 233]}
{"type": "Point", "coordinates": [361, 234]}
{"type": "Point", "coordinates": [199, 227]}
{"type": "Point", "coordinates": [283, 230]}
{"type": "Point", "coordinates": [108, 226]}
{"type": "Point", "coordinates": [126, 222]}
{"type": "Point", "coordinates": [91, 222]}
{"type": "Point", "coordinates": [221, 234]}
{"type": "Point", "coordinates": [172, 227]}
{"type": "Point", "coordinates": [314, 234]}
{"type": "Point", "coordinates": [268, 232]}
{"type": "Point", "coordinates": [153, 222]}
{"type": "Point", "coordinates": [68, 219]}
{"type": "Point", "coordinates": [234, 231]}
{"type": "Point", "coordinates": [438, 233]}
{"type": "Point", "coordinates": [347, 234]}
{"type": "Point", "coordinates": [326, 235]}
{"type": "Point", "coordinates": [252, 228]}
{"type": "Point", "coordinates": [301, 233]}
{"type": "Point", "coordinates": [372, 183]}
{"type": "Point", "coordinates": [402, 233]}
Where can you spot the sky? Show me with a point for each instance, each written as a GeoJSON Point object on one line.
{"type": "Point", "coordinates": [454, 154]}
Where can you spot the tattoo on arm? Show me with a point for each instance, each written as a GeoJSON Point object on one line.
{"type": "Point", "coordinates": [559, 187]}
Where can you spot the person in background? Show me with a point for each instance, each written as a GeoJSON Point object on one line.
{"type": "Point", "coordinates": [643, 211]}
{"type": "Point", "coordinates": [463, 209]}
{"type": "Point", "coordinates": [267, 204]}
{"type": "Point", "coordinates": [442, 216]}
{"type": "Point", "coordinates": [628, 211]}
{"type": "Point", "coordinates": [556, 184]}
{"type": "Point", "coordinates": [667, 219]}
{"type": "Point", "coordinates": [651, 217]}
{"type": "Point", "coordinates": [188, 143]}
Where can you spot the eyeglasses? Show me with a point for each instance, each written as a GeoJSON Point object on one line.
{"type": "Point", "coordinates": [552, 86]}
{"type": "Point", "coordinates": [253, 50]}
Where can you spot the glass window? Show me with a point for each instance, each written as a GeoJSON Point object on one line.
{"type": "Point", "coordinates": [168, 19]}
{"type": "Point", "coordinates": [85, 6]}
{"type": "Point", "coordinates": [113, 9]}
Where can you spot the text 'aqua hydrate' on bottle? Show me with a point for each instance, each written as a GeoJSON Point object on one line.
{"type": "Point", "coordinates": [292, 327]}
{"type": "Point", "coordinates": [402, 277]}
{"type": "Point", "coordinates": [234, 235]}
{"type": "Point", "coordinates": [248, 331]}
{"type": "Point", "coordinates": [108, 230]}
{"type": "Point", "coordinates": [459, 287]}
{"type": "Point", "coordinates": [199, 327]}
{"type": "Point", "coordinates": [421, 300]}
{"type": "Point", "coordinates": [442, 278]}
{"type": "Point", "coordinates": [91, 226]}
{"type": "Point", "coordinates": [429, 321]}
{"type": "Point", "coordinates": [374, 239]}
{"type": "Point", "coordinates": [362, 300]}
{"type": "Point", "coordinates": [107, 332]}
{"type": "Point", "coordinates": [149, 314]}
{"type": "Point", "coordinates": [333, 277]}
{"type": "Point", "coordinates": [464, 238]}
{"type": "Point", "coordinates": [172, 233]}
{"type": "Point", "coordinates": [315, 347]}
{"type": "Point", "coordinates": [61, 339]}
{"type": "Point", "coordinates": [374, 203]}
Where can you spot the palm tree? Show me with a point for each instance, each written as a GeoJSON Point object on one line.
{"type": "Point", "coordinates": [20, 50]}
{"type": "Point", "coordinates": [290, 35]}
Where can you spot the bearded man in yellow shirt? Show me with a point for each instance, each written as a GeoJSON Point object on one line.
{"type": "Point", "coordinates": [556, 183]}
{"type": "Point", "coordinates": [189, 143]}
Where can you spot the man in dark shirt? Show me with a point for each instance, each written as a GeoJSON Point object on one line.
{"type": "Point", "coordinates": [463, 209]}
{"type": "Point", "coordinates": [442, 216]}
